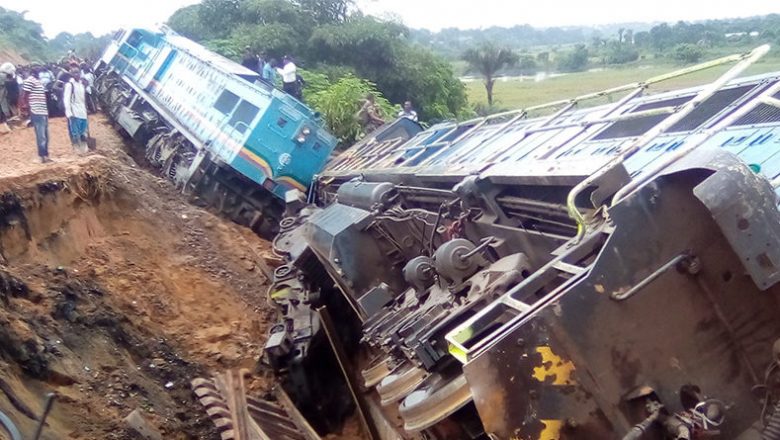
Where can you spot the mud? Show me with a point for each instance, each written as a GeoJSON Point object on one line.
{"type": "Point", "coordinates": [115, 293]}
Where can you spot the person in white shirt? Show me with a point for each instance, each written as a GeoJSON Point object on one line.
{"type": "Point", "coordinates": [289, 74]}
{"type": "Point", "coordinates": [408, 112]}
{"type": "Point", "coordinates": [74, 101]}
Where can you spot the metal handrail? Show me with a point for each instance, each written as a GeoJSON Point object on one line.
{"type": "Point", "coordinates": [545, 125]}
{"type": "Point", "coordinates": [744, 61]}
{"type": "Point", "coordinates": [764, 98]}
{"type": "Point", "coordinates": [521, 113]}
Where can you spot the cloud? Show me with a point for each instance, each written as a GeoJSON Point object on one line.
{"type": "Point", "coordinates": [98, 17]}
{"type": "Point", "coordinates": [102, 16]}
{"type": "Point", "coordinates": [436, 14]}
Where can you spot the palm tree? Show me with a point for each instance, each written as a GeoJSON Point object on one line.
{"type": "Point", "coordinates": [488, 60]}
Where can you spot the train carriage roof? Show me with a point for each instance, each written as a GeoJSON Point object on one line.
{"type": "Point", "coordinates": [215, 59]}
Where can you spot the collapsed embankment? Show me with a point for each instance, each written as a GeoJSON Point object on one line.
{"type": "Point", "coordinates": [115, 293]}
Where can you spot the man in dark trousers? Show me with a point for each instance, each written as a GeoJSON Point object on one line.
{"type": "Point", "coordinates": [34, 100]}
{"type": "Point", "coordinates": [289, 74]}
{"type": "Point", "coordinates": [250, 60]}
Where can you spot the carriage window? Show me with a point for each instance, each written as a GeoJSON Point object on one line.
{"type": "Point", "coordinates": [243, 116]}
{"type": "Point", "coordinates": [226, 102]}
{"type": "Point", "coordinates": [135, 39]}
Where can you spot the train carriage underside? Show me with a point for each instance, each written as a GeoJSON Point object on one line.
{"type": "Point", "coordinates": [199, 174]}
{"type": "Point", "coordinates": [598, 299]}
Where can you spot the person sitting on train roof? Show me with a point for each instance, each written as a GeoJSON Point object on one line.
{"type": "Point", "coordinates": [369, 115]}
{"type": "Point", "coordinates": [408, 112]}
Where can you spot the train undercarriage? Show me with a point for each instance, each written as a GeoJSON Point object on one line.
{"type": "Point", "coordinates": [483, 314]}
{"type": "Point", "coordinates": [195, 171]}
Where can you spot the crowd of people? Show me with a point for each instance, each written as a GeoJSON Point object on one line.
{"type": "Point", "coordinates": [31, 94]}
{"type": "Point", "coordinates": [270, 69]}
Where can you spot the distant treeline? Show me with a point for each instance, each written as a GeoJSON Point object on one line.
{"type": "Point", "coordinates": [572, 50]}
{"type": "Point", "coordinates": [26, 39]}
{"type": "Point", "coordinates": [453, 42]}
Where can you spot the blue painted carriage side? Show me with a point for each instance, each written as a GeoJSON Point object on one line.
{"type": "Point", "coordinates": [185, 83]}
{"type": "Point", "coordinates": [569, 150]}
{"type": "Point", "coordinates": [166, 65]}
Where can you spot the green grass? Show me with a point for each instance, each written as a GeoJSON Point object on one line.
{"type": "Point", "coordinates": [515, 94]}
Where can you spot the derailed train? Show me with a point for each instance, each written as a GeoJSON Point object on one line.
{"type": "Point", "coordinates": [210, 125]}
{"type": "Point", "coordinates": [592, 273]}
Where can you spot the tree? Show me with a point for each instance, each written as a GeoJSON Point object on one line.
{"type": "Point", "coordinates": [687, 53]}
{"type": "Point", "coordinates": [273, 39]}
{"type": "Point", "coordinates": [378, 51]}
{"type": "Point", "coordinates": [219, 17]}
{"type": "Point", "coordinates": [85, 45]}
{"type": "Point", "coordinates": [267, 12]}
{"type": "Point", "coordinates": [326, 11]}
{"type": "Point", "coordinates": [527, 65]}
{"type": "Point", "coordinates": [340, 101]}
{"type": "Point", "coordinates": [543, 58]}
{"type": "Point", "coordinates": [661, 36]}
{"type": "Point", "coordinates": [332, 37]}
{"type": "Point", "coordinates": [621, 53]}
{"type": "Point", "coordinates": [25, 36]}
{"type": "Point", "coordinates": [187, 21]}
{"type": "Point", "coordinates": [488, 60]}
{"type": "Point", "coordinates": [575, 60]}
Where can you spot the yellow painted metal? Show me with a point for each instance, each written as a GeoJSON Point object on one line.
{"type": "Point", "coordinates": [552, 430]}
{"type": "Point", "coordinates": [554, 369]}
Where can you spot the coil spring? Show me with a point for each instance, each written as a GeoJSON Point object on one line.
{"type": "Point", "coordinates": [9, 427]}
{"type": "Point", "coordinates": [172, 170]}
{"type": "Point", "coordinates": [772, 429]}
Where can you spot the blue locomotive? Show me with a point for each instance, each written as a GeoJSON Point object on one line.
{"type": "Point", "coordinates": [211, 125]}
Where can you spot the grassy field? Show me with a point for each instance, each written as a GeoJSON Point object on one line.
{"type": "Point", "coordinates": [514, 94]}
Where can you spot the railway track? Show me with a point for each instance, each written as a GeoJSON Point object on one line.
{"type": "Point", "coordinates": [239, 416]}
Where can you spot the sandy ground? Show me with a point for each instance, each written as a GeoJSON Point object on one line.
{"type": "Point", "coordinates": [20, 154]}
{"type": "Point", "coordinates": [115, 293]}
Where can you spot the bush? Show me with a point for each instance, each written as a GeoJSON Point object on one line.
{"type": "Point", "coordinates": [575, 60]}
{"type": "Point", "coordinates": [621, 54]}
{"type": "Point", "coordinates": [339, 103]}
{"type": "Point", "coordinates": [687, 53]}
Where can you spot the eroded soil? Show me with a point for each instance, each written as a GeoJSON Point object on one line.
{"type": "Point", "coordinates": [115, 293]}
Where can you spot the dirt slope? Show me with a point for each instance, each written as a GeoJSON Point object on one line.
{"type": "Point", "coordinates": [114, 293]}
{"type": "Point", "coordinates": [10, 55]}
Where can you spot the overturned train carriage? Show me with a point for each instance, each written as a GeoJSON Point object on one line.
{"type": "Point", "coordinates": [211, 125]}
{"type": "Point", "coordinates": [593, 273]}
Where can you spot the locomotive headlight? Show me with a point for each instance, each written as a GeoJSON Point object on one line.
{"type": "Point", "coordinates": [303, 135]}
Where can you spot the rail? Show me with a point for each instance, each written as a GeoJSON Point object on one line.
{"type": "Point", "coordinates": [744, 61]}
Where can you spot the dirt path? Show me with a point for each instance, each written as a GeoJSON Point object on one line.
{"type": "Point", "coordinates": [114, 293]}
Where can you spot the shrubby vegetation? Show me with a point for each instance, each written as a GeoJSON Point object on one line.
{"type": "Point", "coordinates": [25, 36]}
{"type": "Point", "coordinates": [574, 60]}
{"type": "Point", "coordinates": [85, 44]}
{"type": "Point", "coordinates": [332, 38]}
{"type": "Point", "coordinates": [340, 100]}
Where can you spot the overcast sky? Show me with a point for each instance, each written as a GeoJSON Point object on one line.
{"type": "Point", "coordinates": [101, 16]}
